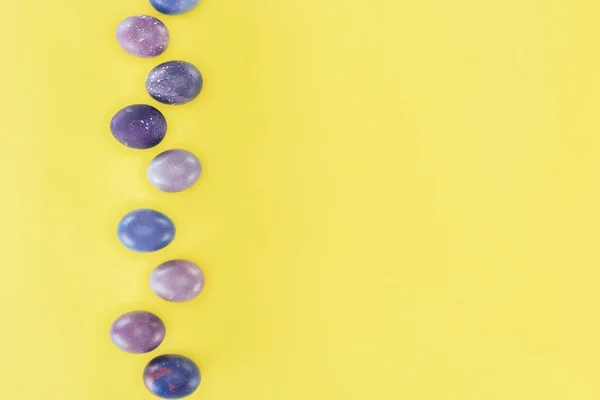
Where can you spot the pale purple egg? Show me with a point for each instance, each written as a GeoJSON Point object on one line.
{"type": "Point", "coordinates": [177, 280]}
{"type": "Point", "coordinates": [174, 170]}
{"type": "Point", "coordinates": [137, 332]}
{"type": "Point", "coordinates": [143, 36]}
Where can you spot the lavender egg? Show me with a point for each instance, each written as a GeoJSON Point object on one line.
{"type": "Point", "coordinates": [174, 170]}
{"type": "Point", "coordinates": [139, 126]}
{"type": "Point", "coordinates": [143, 36]}
{"type": "Point", "coordinates": [137, 332]}
{"type": "Point", "coordinates": [177, 280]}
{"type": "Point", "coordinates": [174, 82]}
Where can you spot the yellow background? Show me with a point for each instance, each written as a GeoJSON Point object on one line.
{"type": "Point", "coordinates": [400, 200]}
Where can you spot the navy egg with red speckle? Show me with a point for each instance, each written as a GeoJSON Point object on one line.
{"type": "Point", "coordinates": [171, 376]}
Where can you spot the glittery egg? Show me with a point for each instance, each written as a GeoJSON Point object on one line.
{"type": "Point", "coordinates": [174, 170]}
{"type": "Point", "coordinates": [174, 82]}
{"type": "Point", "coordinates": [137, 332]}
{"type": "Point", "coordinates": [143, 36]}
{"type": "Point", "coordinates": [177, 280]}
{"type": "Point", "coordinates": [139, 126]}
{"type": "Point", "coordinates": [171, 376]}
{"type": "Point", "coordinates": [174, 7]}
{"type": "Point", "coordinates": [145, 230]}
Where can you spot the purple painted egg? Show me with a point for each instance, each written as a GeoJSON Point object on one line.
{"type": "Point", "coordinates": [143, 36]}
{"type": "Point", "coordinates": [137, 332]}
{"type": "Point", "coordinates": [174, 170]}
{"type": "Point", "coordinates": [177, 280]}
{"type": "Point", "coordinates": [174, 82]}
{"type": "Point", "coordinates": [139, 126]}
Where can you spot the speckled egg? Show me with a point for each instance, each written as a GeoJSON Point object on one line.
{"type": "Point", "coordinates": [143, 36]}
{"type": "Point", "coordinates": [174, 7]}
{"type": "Point", "coordinates": [174, 170]}
{"type": "Point", "coordinates": [177, 280]}
{"type": "Point", "coordinates": [171, 376]}
{"type": "Point", "coordinates": [145, 230]}
{"type": "Point", "coordinates": [139, 126]}
{"type": "Point", "coordinates": [174, 82]}
{"type": "Point", "coordinates": [137, 332]}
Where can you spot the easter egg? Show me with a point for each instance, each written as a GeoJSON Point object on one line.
{"type": "Point", "coordinates": [143, 36]}
{"type": "Point", "coordinates": [174, 82]}
{"type": "Point", "coordinates": [171, 376]}
{"type": "Point", "coordinates": [139, 126]}
{"type": "Point", "coordinates": [145, 230]}
{"type": "Point", "coordinates": [174, 170]}
{"type": "Point", "coordinates": [177, 280]}
{"type": "Point", "coordinates": [137, 332]}
{"type": "Point", "coordinates": [174, 7]}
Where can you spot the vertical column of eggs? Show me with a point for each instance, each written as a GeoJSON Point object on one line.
{"type": "Point", "coordinates": [141, 127]}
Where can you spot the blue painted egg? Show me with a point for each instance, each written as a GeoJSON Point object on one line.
{"type": "Point", "coordinates": [171, 376]}
{"type": "Point", "coordinates": [145, 230]}
{"type": "Point", "coordinates": [174, 7]}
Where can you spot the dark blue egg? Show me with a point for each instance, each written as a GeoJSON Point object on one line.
{"type": "Point", "coordinates": [174, 7]}
{"type": "Point", "coordinates": [146, 230]}
{"type": "Point", "coordinates": [171, 376]}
